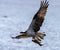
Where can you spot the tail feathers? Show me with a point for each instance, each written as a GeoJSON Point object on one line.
{"type": "Point", "coordinates": [21, 36]}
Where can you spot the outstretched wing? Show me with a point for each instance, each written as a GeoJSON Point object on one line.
{"type": "Point", "coordinates": [39, 16]}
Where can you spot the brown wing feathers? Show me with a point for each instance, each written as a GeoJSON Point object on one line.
{"type": "Point", "coordinates": [43, 8]}
{"type": "Point", "coordinates": [39, 16]}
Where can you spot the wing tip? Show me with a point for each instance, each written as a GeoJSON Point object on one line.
{"type": "Point", "coordinates": [44, 3]}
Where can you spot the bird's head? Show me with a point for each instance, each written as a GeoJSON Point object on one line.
{"type": "Point", "coordinates": [23, 33]}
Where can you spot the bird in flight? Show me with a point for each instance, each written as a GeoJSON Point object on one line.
{"type": "Point", "coordinates": [35, 25]}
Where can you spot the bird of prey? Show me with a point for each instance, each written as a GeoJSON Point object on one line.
{"type": "Point", "coordinates": [35, 25]}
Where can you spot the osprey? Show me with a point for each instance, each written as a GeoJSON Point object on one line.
{"type": "Point", "coordinates": [35, 25]}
